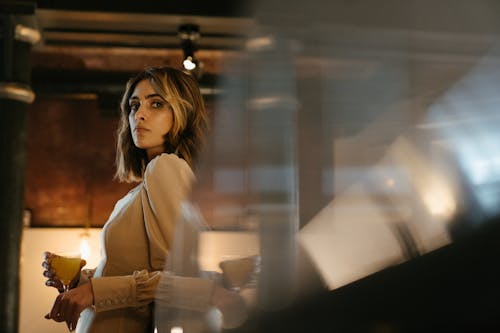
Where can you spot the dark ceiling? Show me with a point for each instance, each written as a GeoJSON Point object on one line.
{"type": "Point", "coordinates": [215, 8]}
{"type": "Point", "coordinates": [94, 46]}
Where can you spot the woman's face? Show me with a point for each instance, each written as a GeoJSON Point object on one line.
{"type": "Point", "coordinates": [150, 119]}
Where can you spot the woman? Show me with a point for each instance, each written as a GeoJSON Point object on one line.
{"type": "Point", "coordinates": [162, 126]}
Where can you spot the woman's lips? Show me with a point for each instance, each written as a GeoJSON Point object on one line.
{"type": "Point", "coordinates": [141, 129]}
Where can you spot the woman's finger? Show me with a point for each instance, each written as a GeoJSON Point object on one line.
{"type": "Point", "coordinates": [55, 315]}
{"type": "Point", "coordinates": [73, 314]}
{"type": "Point", "coordinates": [56, 284]}
{"type": "Point", "coordinates": [48, 256]}
{"type": "Point", "coordinates": [57, 309]}
{"type": "Point", "coordinates": [68, 314]}
{"type": "Point", "coordinates": [73, 324]}
{"type": "Point", "coordinates": [52, 281]}
{"type": "Point", "coordinates": [49, 274]}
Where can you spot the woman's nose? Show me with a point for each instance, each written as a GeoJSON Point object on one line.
{"type": "Point", "coordinates": [139, 114]}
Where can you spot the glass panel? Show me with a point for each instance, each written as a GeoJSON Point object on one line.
{"type": "Point", "coordinates": [353, 137]}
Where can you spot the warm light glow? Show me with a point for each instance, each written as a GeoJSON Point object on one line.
{"type": "Point", "coordinates": [389, 182]}
{"type": "Point", "coordinates": [176, 329]}
{"type": "Point", "coordinates": [260, 43]}
{"type": "Point", "coordinates": [84, 246]}
{"type": "Point", "coordinates": [432, 184]}
{"type": "Point", "coordinates": [439, 201]}
{"type": "Point", "coordinates": [189, 63]}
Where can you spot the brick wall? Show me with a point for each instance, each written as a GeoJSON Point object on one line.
{"type": "Point", "coordinates": [70, 150]}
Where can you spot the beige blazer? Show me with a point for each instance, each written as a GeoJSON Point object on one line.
{"type": "Point", "coordinates": [135, 242]}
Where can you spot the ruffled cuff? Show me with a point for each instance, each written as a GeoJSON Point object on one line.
{"type": "Point", "coordinates": [186, 293]}
{"type": "Point", "coordinates": [114, 292]}
{"type": "Point", "coordinates": [146, 283]}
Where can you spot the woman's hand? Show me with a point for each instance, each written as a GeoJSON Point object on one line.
{"type": "Point", "coordinates": [231, 305]}
{"type": "Point", "coordinates": [68, 306]}
{"type": "Point", "coordinates": [52, 280]}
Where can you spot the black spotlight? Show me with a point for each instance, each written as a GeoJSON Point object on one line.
{"type": "Point", "coordinates": [189, 34]}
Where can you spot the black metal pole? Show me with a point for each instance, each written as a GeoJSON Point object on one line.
{"type": "Point", "coordinates": [16, 38]}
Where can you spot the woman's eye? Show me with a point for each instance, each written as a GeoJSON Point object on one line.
{"type": "Point", "coordinates": [134, 107]}
{"type": "Point", "coordinates": [157, 105]}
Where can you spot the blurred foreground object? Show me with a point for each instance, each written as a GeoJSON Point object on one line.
{"type": "Point", "coordinates": [358, 140]}
{"type": "Point", "coordinates": [17, 35]}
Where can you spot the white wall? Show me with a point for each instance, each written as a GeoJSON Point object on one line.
{"type": "Point", "coordinates": [35, 298]}
{"type": "Point", "coordinates": [216, 246]}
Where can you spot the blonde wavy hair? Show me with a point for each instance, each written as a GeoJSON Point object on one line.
{"type": "Point", "coordinates": [190, 121]}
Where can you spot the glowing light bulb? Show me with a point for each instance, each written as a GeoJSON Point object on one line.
{"type": "Point", "coordinates": [439, 201]}
{"type": "Point", "coordinates": [389, 182]}
{"type": "Point", "coordinates": [84, 246]}
{"type": "Point", "coordinates": [176, 329]}
{"type": "Point", "coordinates": [189, 63]}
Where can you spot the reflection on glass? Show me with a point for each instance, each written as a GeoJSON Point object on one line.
{"type": "Point", "coordinates": [351, 137]}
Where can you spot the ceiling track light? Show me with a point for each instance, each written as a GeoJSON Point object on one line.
{"type": "Point", "coordinates": [189, 35]}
